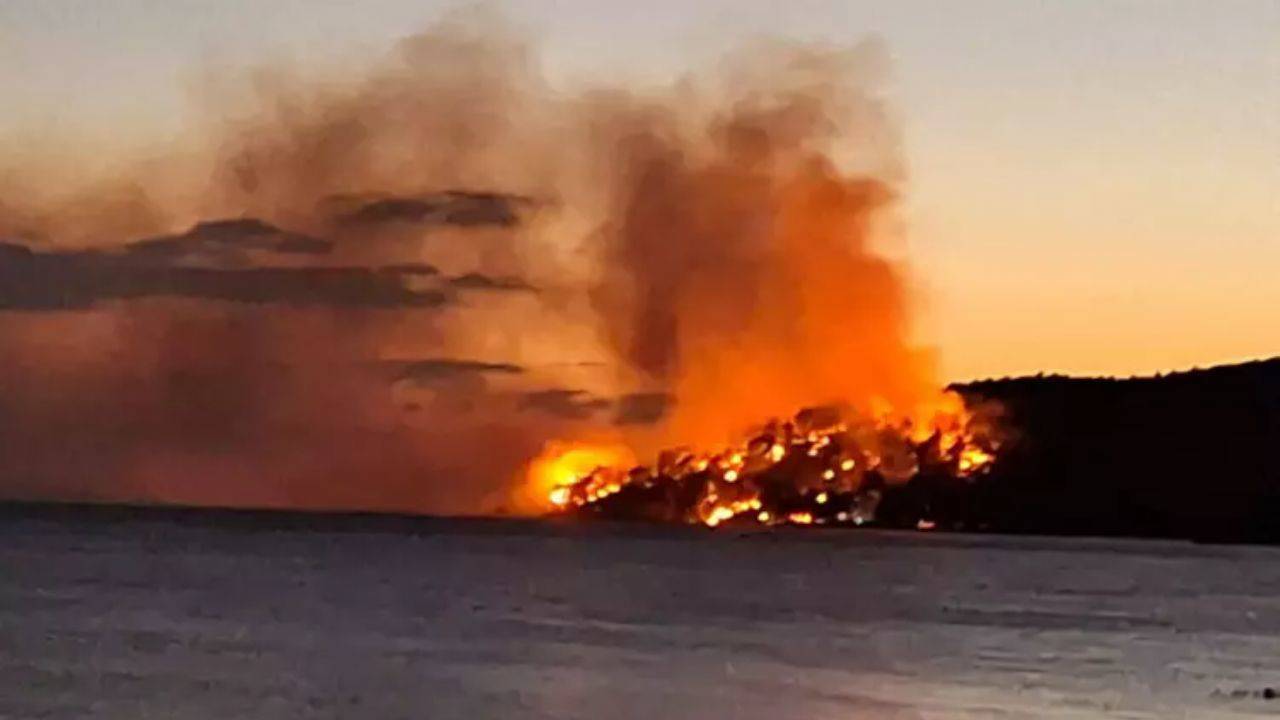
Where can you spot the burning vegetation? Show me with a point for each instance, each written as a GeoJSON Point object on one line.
{"type": "Point", "coordinates": [746, 270]}
{"type": "Point", "coordinates": [387, 289]}
{"type": "Point", "coordinates": [823, 466]}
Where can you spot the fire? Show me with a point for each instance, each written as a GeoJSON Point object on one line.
{"type": "Point", "coordinates": [974, 458]}
{"type": "Point", "coordinates": [824, 466]}
{"type": "Point", "coordinates": [559, 496]}
{"type": "Point", "coordinates": [557, 474]}
{"type": "Point", "coordinates": [741, 274]}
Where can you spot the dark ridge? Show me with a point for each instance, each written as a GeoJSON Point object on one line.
{"type": "Point", "coordinates": [1191, 454]}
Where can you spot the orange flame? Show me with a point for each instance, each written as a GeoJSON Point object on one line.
{"type": "Point", "coordinates": [561, 466]}
{"type": "Point", "coordinates": [741, 275]}
{"type": "Point", "coordinates": [815, 469]}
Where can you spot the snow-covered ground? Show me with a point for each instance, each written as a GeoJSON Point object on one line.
{"type": "Point", "coordinates": [489, 619]}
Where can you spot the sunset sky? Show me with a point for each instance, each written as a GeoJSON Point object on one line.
{"type": "Point", "coordinates": [1094, 186]}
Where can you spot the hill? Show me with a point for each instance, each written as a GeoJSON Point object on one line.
{"type": "Point", "coordinates": [1192, 454]}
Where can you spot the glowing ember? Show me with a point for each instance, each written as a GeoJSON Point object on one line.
{"type": "Point", "coordinates": [559, 496]}
{"type": "Point", "coordinates": [559, 473]}
{"type": "Point", "coordinates": [972, 458]}
{"type": "Point", "coordinates": [825, 466]}
{"type": "Point", "coordinates": [800, 518]}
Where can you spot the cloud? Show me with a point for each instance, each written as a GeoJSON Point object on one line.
{"type": "Point", "coordinates": [424, 371]}
{"type": "Point", "coordinates": [479, 281]}
{"type": "Point", "coordinates": [74, 280]}
{"type": "Point", "coordinates": [671, 224]}
{"type": "Point", "coordinates": [233, 260]}
{"type": "Point", "coordinates": [453, 207]}
{"type": "Point", "coordinates": [222, 241]}
{"type": "Point", "coordinates": [564, 403]}
{"type": "Point", "coordinates": [641, 408]}
{"type": "Point", "coordinates": [644, 408]}
{"type": "Point", "coordinates": [419, 269]}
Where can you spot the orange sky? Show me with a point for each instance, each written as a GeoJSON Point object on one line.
{"type": "Point", "coordinates": [1094, 187]}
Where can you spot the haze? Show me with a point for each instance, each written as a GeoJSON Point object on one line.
{"type": "Point", "coordinates": [1093, 187]}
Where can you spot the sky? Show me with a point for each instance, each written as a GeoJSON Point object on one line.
{"type": "Point", "coordinates": [1094, 187]}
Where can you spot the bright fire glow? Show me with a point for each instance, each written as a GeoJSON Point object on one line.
{"type": "Point", "coordinates": [557, 473]}
{"type": "Point", "coordinates": [820, 467]}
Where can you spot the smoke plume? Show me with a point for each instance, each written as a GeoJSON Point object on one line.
{"type": "Point", "coordinates": [389, 289]}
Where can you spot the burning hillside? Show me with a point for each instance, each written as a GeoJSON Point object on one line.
{"type": "Point", "coordinates": [746, 272]}
{"type": "Point", "coordinates": [823, 466]}
{"type": "Point", "coordinates": [389, 288]}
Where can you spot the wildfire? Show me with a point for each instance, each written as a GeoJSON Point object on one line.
{"type": "Point", "coordinates": [824, 466]}
{"type": "Point", "coordinates": [740, 277]}
{"type": "Point", "coordinates": [563, 472]}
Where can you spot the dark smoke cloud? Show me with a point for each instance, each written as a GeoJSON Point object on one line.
{"type": "Point", "coordinates": [478, 281]}
{"type": "Point", "coordinates": [350, 335]}
{"type": "Point", "coordinates": [32, 280]}
{"type": "Point", "coordinates": [196, 403]}
{"type": "Point", "coordinates": [407, 269]}
{"type": "Point", "coordinates": [642, 408]}
{"type": "Point", "coordinates": [433, 369]}
{"type": "Point", "coordinates": [564, 403]}
{"type": "Point", "coordinates": [222, 242]}
{"type": "Point", "coordinates": [631, 409]}
{"type": "Point", "coordinates": [149, 351]}
{"type": "Point", "coordinates": [457, 207]}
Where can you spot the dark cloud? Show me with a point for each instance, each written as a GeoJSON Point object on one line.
{"type": "Point", "coordinates": [641, 408]}
{"type": "Point", "coordinates": [478, 281]}
{"type": "Point", "coordinates": [690, 208]}
{"type": "Point", "coordinates": [454, 207]}
{"type": "Point", "coordinates": [564, 403]}
{"type": "Point", "coordinates": [31, 280]}
{"type": "Point", "coordinates": [229, 261]}
{"type": "Point", "coordinates": [419, 269]}
{"type": "Point", "coordinates": [571, 404]}
{"type": "Point", "coordinates": [221, 241]}
{"type": "Point", "coordinates": [447, 368]}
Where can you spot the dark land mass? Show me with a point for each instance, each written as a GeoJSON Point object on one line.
{"type": "Point", "coordinates": [1187, 455]}
{"type": "Point", "coordinates": [1191, 455]}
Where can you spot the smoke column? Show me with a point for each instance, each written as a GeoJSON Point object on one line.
{"type": "Point", "coordinates": [389, 289]}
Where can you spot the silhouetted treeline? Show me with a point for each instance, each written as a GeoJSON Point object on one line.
{"type": "Point", "coordinates": [1193, 454]}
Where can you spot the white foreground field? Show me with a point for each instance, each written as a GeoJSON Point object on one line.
{"type": "Point", "coordinates": [489, 619]}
